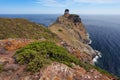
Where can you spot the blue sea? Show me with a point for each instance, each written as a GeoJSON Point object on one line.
{"type": "Point", "coordinates": [104, 32]}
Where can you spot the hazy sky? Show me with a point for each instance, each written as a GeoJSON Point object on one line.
{"type": "Point", "coordinates": [58, 6]}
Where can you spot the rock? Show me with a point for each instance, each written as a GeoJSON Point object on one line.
{"type": "Point", "coordinates": [27, 78]}
{"type": "Point", "coordinates": [74, 18]}
{"type": "Point", "coordinates": [12, 67]}
{"type": "Point", "coordinates": [4, 61]}
{"type": "Point", "coordinates": [2, 50]}
{"type": "Point", "coordinates": [58, 71]}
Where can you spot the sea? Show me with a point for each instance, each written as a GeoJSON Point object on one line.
{"type": "Point", "coordinates": [104, 31]}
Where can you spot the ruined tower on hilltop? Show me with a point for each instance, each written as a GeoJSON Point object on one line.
{"type": "Point", "coordinates": [66, 13]}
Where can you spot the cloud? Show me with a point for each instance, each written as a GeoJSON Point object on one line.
{"type": "Point", "coordinates": [97, 1]}
{"type": "Point", "coordinates": [67, 3]}
{"type": "Point", "coordinates": [53, 3]}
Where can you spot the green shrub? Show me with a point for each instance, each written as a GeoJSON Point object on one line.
{"type": "Point", "coordinates": [26, 56]}
{"type": "Point", "coordinates": [60, 30]}
{"type": "Point", "coordinates": [38, 54]}
{"type": "Point", "coordinates": [1, 68]}
{"type": "Point", "coordinates": [36, 64]}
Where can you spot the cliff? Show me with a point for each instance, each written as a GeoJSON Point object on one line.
{"type": "Point", "coordinates": [74, 36]}
{"type": "Point", "coordinates": [43, 55]}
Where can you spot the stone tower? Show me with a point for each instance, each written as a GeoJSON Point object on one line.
{"type": "Point", "coordinates": [66, 13]}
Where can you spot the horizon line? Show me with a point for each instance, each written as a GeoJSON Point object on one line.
{"type": "Point", "coordinates": [50, 14]}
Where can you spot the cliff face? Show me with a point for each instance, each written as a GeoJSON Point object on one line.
{"type": "Point", "coordinates": [74, 36]}
{"type": "Point", "coordinates": [71, 30]}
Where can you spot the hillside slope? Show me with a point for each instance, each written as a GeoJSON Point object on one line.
{"type": "Point", "coordinates": [22, 28]}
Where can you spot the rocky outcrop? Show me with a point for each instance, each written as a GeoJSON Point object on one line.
{"type": "Point", "coordinates": [13, 44]}
{"type": "Point", "coordinates": [74, 36]}
{"type": "Point", "coordinates": [73, 25]}
{"type": "Point", "coordinates": [8, 48]}
{"type": "Point", "coordinates": [57, 71]}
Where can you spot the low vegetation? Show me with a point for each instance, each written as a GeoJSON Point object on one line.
{"type": "Point", "coordinates": [88, 66]}
{"type": "Point", "coordinates": [60, 30]}
{"type": "Point", "coordinates": [22, 28]}
{"type": "Point", "coordinates": [104, 72]}
{"type": "Point", "coordinates": [38, 54]}
{"type": "Point", "coordinates": [1, 68]}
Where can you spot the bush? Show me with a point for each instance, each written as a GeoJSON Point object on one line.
{"type": "Point", "coordinates": [26, 56]}
{"type": "Point", "coordinates": [54, 52]}
{"type": "Point", "coordinates": [60, 30]}
{"type": "Point", "coordinates": [1, 68]}
{"type": "Point", "coordinates": [36, 64]}
{"type": "Point", "coordinates": [38, 54]}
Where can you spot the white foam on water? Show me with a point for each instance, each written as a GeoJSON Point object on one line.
{"type": "Point", "coordinates": [97, 56]}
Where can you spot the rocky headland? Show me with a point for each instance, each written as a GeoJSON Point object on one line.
{"type": "Point", "coordinates": [75, 38]}
{"type": "Point", "coordinates": [29, 51]}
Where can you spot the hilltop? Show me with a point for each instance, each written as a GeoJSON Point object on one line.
{"type": "Point", "coordinates": [72, 32]}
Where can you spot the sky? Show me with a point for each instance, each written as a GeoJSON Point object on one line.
{"type": "Point", "coordinates": [58, 6]}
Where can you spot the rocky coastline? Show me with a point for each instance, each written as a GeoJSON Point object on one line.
{"type": "Point", "coordinates": [59, 52]}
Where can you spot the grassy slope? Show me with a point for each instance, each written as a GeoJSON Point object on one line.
{"type": "Point", "coordinates": [62, 32]}
{"type": "Point", "coordinates": [22, 28]}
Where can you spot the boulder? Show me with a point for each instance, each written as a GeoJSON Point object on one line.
{"type": "Point", "coordinates": [12, 67]}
